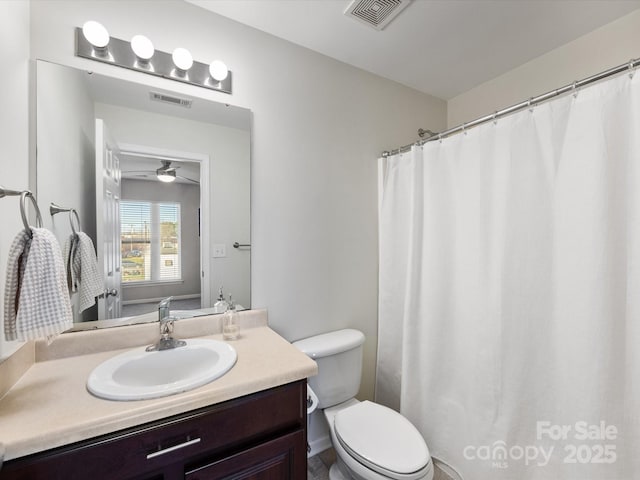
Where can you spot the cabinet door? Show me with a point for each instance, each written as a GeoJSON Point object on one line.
{"type": "Point", "coordinates": [281, 459]}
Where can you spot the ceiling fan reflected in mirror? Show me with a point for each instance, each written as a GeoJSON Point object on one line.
{"type": "Point", "coordinates": [166, 173]}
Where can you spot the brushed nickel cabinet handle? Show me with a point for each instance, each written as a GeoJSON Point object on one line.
{"type": "Point", "coordinates": [172, 449]}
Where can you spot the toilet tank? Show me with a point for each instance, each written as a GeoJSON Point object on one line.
{"type": "Point", "coordinates": [339, 358]}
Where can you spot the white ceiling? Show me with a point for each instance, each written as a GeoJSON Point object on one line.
{"type": "Point", "coordinates": [115, 91]}
{"type": "Point", "coordinates": [440, 47]}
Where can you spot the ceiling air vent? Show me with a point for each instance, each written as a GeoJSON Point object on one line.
{"type": "Point", "coordinates": [161, 97]}
{"type": "Point", "coordinates": [375, 13]}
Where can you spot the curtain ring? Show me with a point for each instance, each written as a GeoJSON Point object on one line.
{"type": "Point", "coordinates": [495, 117]}
{"type": "Point", "coordinates": [632, 69]}
{"type": "Point", "coordinates": [464, 128]}
{"type": "Point", "coordinates": [574, 89]}
{"type": "Point", "coordinates": [23, 211]}
{"type": "Point", "coordinates": [529, 104]}
{"type": "Point", "coordinates": [74, 213]}
{"type": "Point", "coordinates": [440, 137]}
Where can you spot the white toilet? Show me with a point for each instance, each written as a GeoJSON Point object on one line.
{"type": "Point", "coordinates": [372, 442]}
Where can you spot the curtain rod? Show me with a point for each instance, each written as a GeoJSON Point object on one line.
{"type": "Point", "coordinates": [630, 66]}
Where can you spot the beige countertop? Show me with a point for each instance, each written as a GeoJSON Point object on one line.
{"type": "Point", "coordinates": [49, 406]}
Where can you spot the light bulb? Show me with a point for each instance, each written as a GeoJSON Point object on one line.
{"type": "Point", "coordinates": [96, 34]}
{"type": "Point", "coordinates": [182, 58]}
{"type": "Point", "coordinates": [142, 47]}
{"type": "Point", "coordinates": [166, 177]}
{"type": "Point", "coordinates": [218, 70]}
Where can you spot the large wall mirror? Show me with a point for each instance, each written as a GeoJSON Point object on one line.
{"type": "Point", "coordinates": [106, 148]}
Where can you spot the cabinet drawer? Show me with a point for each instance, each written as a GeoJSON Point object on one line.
{"type": "Point", "coordinates": [279, 459]}
{"type": "Point", "coordinates": [200, 434]}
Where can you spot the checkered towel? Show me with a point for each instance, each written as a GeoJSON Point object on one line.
{"type": "Point", "coordinates": [36, 300]}
{"type": "Point", "coordinates": [82, 270]}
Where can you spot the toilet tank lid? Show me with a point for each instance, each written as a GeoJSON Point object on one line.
{"type": "Point", "coordinates": [330, 343]}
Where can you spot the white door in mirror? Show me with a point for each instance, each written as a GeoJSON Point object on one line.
{"type": "Point", "coordinates": [139, 375]}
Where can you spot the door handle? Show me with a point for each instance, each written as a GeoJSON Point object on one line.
{"type": "Point", "coordinates": [109, 293]}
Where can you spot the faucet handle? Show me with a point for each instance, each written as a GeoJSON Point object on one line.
{"type": "Point", "coordinates": [165, 302]}
{"type": "Point", "coordinates": [166, 327]}
{"type": "Point", "coordinates": [166, 342]}
{"type": "Point", "coordinates": [163, 308]}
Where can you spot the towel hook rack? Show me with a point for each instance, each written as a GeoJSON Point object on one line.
{"type": "Point", "coordinates": [24, 194]}
{"type": "Point", "coordinates": [55, 209]}
{"type": "Point", "coordinates": [23, 209]}
{"type": "Point", "coordinates": [5, 192]}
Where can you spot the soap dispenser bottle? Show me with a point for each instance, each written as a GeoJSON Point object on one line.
{"type": "Point", "coordinates": [221, 305]}
{"type": "Point", "coordinates": [230, 329]}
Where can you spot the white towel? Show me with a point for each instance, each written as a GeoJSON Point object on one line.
{"type": "Point", "coordinates": [36, 300]}
{"type": "Point", "coordinates": [82, 270]}
{"type": "Point", "coordinates": [67, 255]}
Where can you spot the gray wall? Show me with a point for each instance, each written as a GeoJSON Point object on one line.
{"type": "Point", "coordinates": [14, 131]}
{"type": "Point", "coordinates": [610, 45]}
{"type": "Point", "coordinates": [189, 198]}
{"type": "Point", "coordinates": [318, 127]}
{"type": "Point", "coordinates": [66, 148]}
{"type": "Point", "coordinates": [65, 127]}
{"type": "Point", "coordinates": [229, 182]}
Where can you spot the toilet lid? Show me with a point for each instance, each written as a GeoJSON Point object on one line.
{"type": "Point", "coordinates": [381, 439]}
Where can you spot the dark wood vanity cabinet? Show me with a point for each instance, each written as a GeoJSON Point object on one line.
{"type": "Point", "coordinates": [261, 436]}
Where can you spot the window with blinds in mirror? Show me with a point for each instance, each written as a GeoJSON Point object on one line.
{"type": "Point", "coordinates": [150, 241]}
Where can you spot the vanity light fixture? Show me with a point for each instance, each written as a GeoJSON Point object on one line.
{"type": "Point", "coordinates": [218, 70]}
{"type": "Point", "coordinates": [183, 60]}
{"type": "Point", "coordinates": [143, 49]}
{"type": "Point", "coordinates": [97, 36]}
{"type": "Point", "coordinates": [94, 43]}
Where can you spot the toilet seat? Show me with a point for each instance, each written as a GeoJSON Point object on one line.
{"type": "Point", "coordinates": [382, 440]}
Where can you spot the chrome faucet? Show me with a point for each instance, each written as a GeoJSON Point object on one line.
{"type": "Point", "coordinates": [166, 341]}
{"type": "Point", "coordinates": [163, 308]}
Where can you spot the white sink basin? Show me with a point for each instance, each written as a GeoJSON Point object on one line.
{"type": "Point", "coordinates": [138, 374]}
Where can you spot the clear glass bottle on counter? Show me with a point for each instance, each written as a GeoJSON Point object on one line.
{"type": "Point", "coordinates": [221, 305]}
{"type": "Point", "coordinates": [230, 328]}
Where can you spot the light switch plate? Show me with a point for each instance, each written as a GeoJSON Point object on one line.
{"type": "Point", "coordinates": [219, 250]}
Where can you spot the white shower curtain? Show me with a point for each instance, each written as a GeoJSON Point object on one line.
{"type": "Point", "coordinates": [509, 304]}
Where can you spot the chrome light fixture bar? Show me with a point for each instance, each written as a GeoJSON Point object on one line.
{"type": "Point", "coordinates": [178, 66]}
